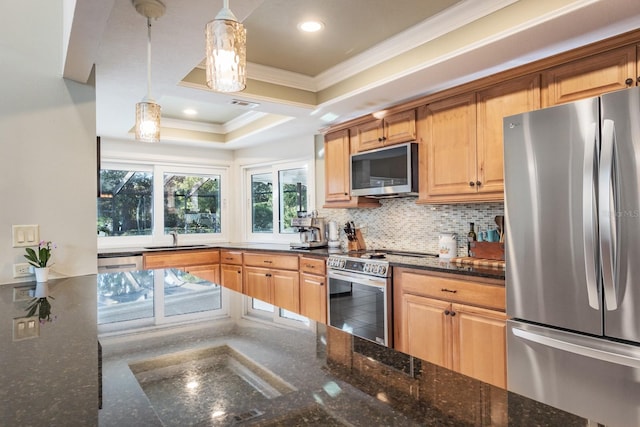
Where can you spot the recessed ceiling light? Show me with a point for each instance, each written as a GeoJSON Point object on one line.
{"type": "Point", "coordinates": [189, 111]}
{"type": "Point", "coordinates": [310, 26]}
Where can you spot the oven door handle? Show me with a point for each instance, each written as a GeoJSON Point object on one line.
{"type": "Point", "coordinates": [360, 279]}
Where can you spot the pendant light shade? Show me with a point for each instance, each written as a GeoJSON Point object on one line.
{"type": "Point", "coordinates": [226, 55]}
{"type": "Point", "coordinates": [147, 111]}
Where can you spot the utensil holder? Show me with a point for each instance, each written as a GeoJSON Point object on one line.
{"type": "Point", "coordinates": [357, 244]}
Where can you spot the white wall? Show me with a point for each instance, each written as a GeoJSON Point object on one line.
{"type": "Point", "coordinates": [47, 141]}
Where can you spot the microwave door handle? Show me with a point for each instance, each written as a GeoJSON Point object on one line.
{"type": "Point", "coordinates": [589, 215]}
{"type": "Point", "coordinates": [607, 190]}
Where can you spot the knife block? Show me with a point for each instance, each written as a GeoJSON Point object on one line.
{"type": "Point", "coordinates": [358, 244]}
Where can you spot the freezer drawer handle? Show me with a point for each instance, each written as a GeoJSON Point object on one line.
{"type": "Point", "coordinates": [594, 353]}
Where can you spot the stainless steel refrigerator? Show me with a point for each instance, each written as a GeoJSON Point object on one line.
{"type": "Point", "coordinates": [572, 208]}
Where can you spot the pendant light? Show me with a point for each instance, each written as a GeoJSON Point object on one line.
{"type": "Point", "coordinates": [226, 55]}
{"type": "Point", "coordinates": [147, 111]}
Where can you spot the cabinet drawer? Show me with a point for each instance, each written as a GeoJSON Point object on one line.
{"type": "Point", "coordinates": [313, 265]}
{"type": "Point", "coordinates": [181, 258]}
{"type": "Point", "coordinates": [285, 262]}
{"type": "Point", "coordinates": [450, 289]}
{"type": "Point", "coordinates": [230, 257]}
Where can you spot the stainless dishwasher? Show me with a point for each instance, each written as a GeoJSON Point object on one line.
{"type": "Point", "coordinates": [119, 263]}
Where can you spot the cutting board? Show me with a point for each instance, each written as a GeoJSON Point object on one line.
{"type": "Point", "coordinates": [479, 262]}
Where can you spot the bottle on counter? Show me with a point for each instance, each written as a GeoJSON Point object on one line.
{"type": "Point", "coordinates": [471, 237]}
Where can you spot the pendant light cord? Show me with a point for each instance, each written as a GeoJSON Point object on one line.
{"type": "Point", "coordinates": [148, 58]}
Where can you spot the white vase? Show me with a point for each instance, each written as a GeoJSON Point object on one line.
{"type": "Point", "coordinates": [42, 274]}
{"type": "Point", "coordinates": [42, 290]}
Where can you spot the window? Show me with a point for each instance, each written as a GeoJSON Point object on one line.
{"type": "Point", "coordinates": [191, 203]}
{"type": "Point", "coordinates": [257, 309]}
{"type": "Point", "coordinates": [276, 195]}
{"type": "Point", "coordinates": [125, 203]}
{"type": "Point", "coordinates": [143, 204]}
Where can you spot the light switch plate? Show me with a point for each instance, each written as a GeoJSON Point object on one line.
{"type": "Point", "coordinates": [25, 235]}
{"type": "Point", "coordinates": [25, 328]}
{"type": "Point", "coordinates": [23, 293]}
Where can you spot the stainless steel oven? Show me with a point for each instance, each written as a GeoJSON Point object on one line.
{"type": "Point", "coordinates": [359, 297]}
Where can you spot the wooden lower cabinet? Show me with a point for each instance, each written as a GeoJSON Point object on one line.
{"type": "Point", "coordinates": [257, 283]}
{"type": "Point", "coordinates": [231, 276]}
{"type": "Point", "coordinates": [461, 337]}
{"type": "Point", "coordinates": [313, 297]}
{"type": "Point", "coordinates": [206, 272]}
{"type": "Point", "coordinates": [286, 290]}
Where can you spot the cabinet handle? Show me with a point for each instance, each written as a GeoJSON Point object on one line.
{"type": "Point", "coordinates": [453, 291]}
{"type": "Point", "coordinates": [268, 275]}
{"type": "Point", "coordinates": [471, 183]}
{"type": "Point", "coordinates": [380, 139]}
{"type": "Point", "coordinates": [453, 313]}
{"type": "Point", "coordinates": [638, 79]}
{"type": "Point", "coordinates": [321, 283]}
{"type": "Point", "coordinates": [239, 272]}
{"type": "Point", "coordinates": [629, 81]}
{"type": "Point", "coordinates": [310, 266]}
{"type": "Point", "coordinates": [268, 262]}
{"type": "Point", "coordinates": [228, 259]}
{"type": "Point", "coordinates": [478, 183]}
{"type": "Point", "coordinates": [447, 312]}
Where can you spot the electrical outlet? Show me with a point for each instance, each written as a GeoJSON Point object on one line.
{"type": "Point", "coordinates": [26, 327]}
{"type": "Point", "coordinates": [23, 293]}
{"type": "Point", "coordinates": [22, 269]}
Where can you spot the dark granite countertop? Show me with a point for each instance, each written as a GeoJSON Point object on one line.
{"type": "Point", "coordinates": [431, 263]}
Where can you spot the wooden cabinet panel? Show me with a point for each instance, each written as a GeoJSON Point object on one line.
{"type": "Point", "coordinates": [336, 157]}
{"type": "Point", "coordinates": [230, 257]}
{"type": "Point", "coordinates": [257, 283]}
{"type": "Point", "coordinates": [400, 127]}
{"type": "Point", "coordinates": [313, 297]}
{"type": "Point", "coordinates": [210, 273]}
{"type": "Point", "coordinates": [180, 258]}
{"type": "Point", "coordinates": [369, 135]}
{"type": "Point", "coordinates": [271, 260]}
{"type": "Point", "coordinates": [313, 265]}
{"type": "Point", "coordinates": [450, 143]}
{"type": "Point", "coordinates": [286, 289]}
{"type": "Point", "coordinates": [395, 128]}
{"type": "Point", "coordinates": [479, 344]}
{"type": "Point", "coordinates": [231, 276]}
{"type": "Point", "coordinates": [493, 104]}
{"type": "Point", "coordinates": [465, 338]}
{"type": "Point", "coordinates": [418, 282]}
{"type": "Point", "coordinates": [426, 329]}
{"type": "Point", "coordinates": [590, 76]}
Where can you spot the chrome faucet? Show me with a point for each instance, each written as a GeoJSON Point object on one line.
{"type": "Point", "coordinates": [175, 238]}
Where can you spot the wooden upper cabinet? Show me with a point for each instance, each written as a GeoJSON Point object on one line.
{"type": "Point", "coordinates": [590, 76]}
{"type": "Point", "coordinates": [449, 148]}
{"type": "Point", "coordinates": [395, 128]}
{"type": "Point", "coordinates": [493, 104]}
{"type": "Point", "coordinates": [337, 182]}
{"type": "Point", "coordinates": [336, 158]}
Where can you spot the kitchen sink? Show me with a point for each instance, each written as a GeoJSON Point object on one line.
{"type": "Point", "coordinates": [176, 247]}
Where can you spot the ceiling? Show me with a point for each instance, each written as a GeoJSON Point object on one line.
{"type": "Point", "coordinates": [370, 55]}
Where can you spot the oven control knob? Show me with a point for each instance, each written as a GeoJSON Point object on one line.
{"type": "Point", "coordinates": [382, 270]}
{"type": "Point", "coordinates": [342, 263]}
{"type": "Point", "coordinates": [366, 268]}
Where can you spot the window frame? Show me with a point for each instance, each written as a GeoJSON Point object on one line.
{"type": "Point", "coordinates": [274, 169]}
{"type": "Point", "coordinates": [157, 236]}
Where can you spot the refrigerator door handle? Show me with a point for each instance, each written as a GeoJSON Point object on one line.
{"type": "Point", "coordinates": [606, 189]}
{"type": "Point", "coordinates": [575, 348]}
{"type": "Point", "coordinates": [590, 216]}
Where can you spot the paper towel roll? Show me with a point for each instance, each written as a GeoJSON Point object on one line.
{"type": "Point", "coordinates": [333, 230]}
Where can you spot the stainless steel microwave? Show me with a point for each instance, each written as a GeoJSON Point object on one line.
{"type": "Point", "coordinates": [385, 172]}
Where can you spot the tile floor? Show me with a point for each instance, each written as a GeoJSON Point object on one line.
{"type": "Point", "coordinates": [291, 386]}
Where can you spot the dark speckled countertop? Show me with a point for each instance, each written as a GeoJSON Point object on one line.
{"type": "Point", "coordinates": [431, 263]}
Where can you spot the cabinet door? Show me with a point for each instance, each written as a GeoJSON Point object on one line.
{"type": "Point", "coordinates": [400, 127]}
{"type": "Point", "coordinates": [206, 272]}
{"type": "Point", "coordinates": [591, 76]}
{"type": "Point", "coordinates": [231, 276]}
{"type": "Point", "coordinates": [286, 289]}
{"type": "Point", "coordinates": [336, 158]}
{"type": "Point", "coordinates": [369, 135]}
{"type": "Point", "coordinates": [313, 297]}
{"type": "Point", "coordinates": [426, 329]}
{"type": "Point", "coordinates": [512, 97]}
{"type": "Point", "coordinates": [479, 344]}
{"type": "Point", "coordinates": [450, 148]}
{"type": "Point", "coordinates": [257, 283]}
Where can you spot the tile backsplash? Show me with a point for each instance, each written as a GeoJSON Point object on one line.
{"type": "Point", "coordinates": [401, 224]}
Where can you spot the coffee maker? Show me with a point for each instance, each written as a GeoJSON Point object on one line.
{"type": "Point", "coordinates": [312, 232]}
